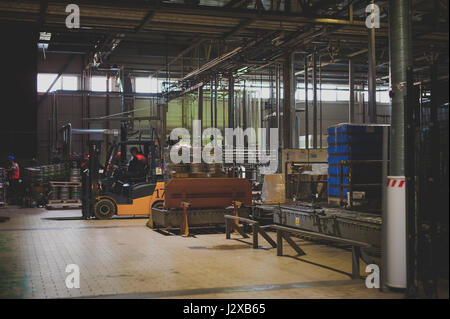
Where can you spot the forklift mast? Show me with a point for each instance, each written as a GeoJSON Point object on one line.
{"type": "Point", "coordinates": [90, 177]}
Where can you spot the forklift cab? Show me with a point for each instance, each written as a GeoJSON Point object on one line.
{"type": "Point", "coordinates": [118, 193]}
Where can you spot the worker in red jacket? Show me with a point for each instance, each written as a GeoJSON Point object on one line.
{"type": "Point", "coordinates": [137, 164]}
{"type": "Point", "coordinates": [13, 178]}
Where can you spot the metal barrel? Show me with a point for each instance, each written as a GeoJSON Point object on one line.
{"type": "Point", "coordinates": [75, 175]}
{"type": "Point", "coordinates": [54, 193]}
{"type": "Point", "coordinates": [64, 193]}
{"type": "Point", "coordinates": [75, 194]}
{"type": "Point", "coordinates": [197, 168]}
{"type": "Point", "coordinates": [3, 176]}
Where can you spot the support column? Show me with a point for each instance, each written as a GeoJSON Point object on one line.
{"type": "Point", "coordinates": [200, 111]}
{"type": "Point", "coordinates": [306, 105]}
{"type": "Point", "coordinates": [400, 60]}
{"type": "Point", "coordinates": [351, 89]}
{"type": "Point", "coordinates": [279, 124]}
{"type": "Point", "coordinates": [314, 80]}
{"type": "Point", "coordinates": [231, 101]}
{"type": "Point", "coordinates": [372, 77]}
{"type": "Point", "coordinates": [215, 101]}
{"type": "Point", "coordinates": [321, 107]}
{"type": "Point", "coordinates": [211, 100]}
{"type": "Point", "coordinates": [398, 212]}
{"type": "Point", "coordinates": [289, 117]}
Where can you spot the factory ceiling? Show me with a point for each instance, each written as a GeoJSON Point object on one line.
{"type": "Point", "coordinates": [191, 39]}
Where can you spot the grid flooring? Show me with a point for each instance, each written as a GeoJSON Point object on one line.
{"type": "Point", "coordinates": [125, 259]}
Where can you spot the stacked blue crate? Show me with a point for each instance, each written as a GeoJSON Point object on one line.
{"type": "Point", "coordinates": [353, 142]}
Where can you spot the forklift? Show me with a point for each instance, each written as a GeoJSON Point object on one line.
{"type": "Point", "coordinates": [107, 191]}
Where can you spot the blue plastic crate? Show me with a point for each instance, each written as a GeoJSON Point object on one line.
{"type": "Point", "coordinates": [348, 142]}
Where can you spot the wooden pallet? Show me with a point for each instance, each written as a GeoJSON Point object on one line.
{"type": "Point", "coordinates": [336, 201]}
{"type": "Point", "coordinates": [61, 184]}
{"type": "Point", "coordinates": [69, 203]}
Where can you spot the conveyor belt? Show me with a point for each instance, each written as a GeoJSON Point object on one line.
{"type": "Point", "coordinates": [338, 222]}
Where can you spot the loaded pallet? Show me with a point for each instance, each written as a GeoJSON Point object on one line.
{"type": "Point", "coordinates": [64, 195]}
{"type": "Point", "coordinates": [54, 204]}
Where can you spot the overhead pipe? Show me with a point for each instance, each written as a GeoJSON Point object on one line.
{"type": "Point", "coordinates": [68, 132]}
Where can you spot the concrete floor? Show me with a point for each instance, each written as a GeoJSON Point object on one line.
{"type": "Point", "coordinates": [125, 259]}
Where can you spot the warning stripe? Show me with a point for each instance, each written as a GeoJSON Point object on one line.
{"type": "Point", "coordinates": [393, 182]}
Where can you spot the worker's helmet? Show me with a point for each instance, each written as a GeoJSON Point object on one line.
{"type": "Point", "coordinates": [12, 158]}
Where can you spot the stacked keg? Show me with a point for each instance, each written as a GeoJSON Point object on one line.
{"type": "Point", "coordinates": [3, 178]}
{"type": "Point", "coordinates": [75, 175]}
{"type": "Point", "coordinates": [75, 195]}
{"type": "Point", "coordinates": [214, 170]}
{"type": "Point", "coordinates": [64, 193]}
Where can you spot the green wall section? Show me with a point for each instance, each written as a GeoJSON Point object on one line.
{"type": "Point", "coordinates": [183, 110]}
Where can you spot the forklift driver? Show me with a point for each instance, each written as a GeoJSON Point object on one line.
{"type": "Point", "coordinates": [136, 167]}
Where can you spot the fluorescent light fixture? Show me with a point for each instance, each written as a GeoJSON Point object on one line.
{"type": "Point", "coordinates": [45, 36]}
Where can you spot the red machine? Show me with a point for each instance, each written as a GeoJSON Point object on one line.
{"type": "Point", "coordinates": [207, 192]}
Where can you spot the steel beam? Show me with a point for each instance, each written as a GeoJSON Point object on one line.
{"type": "Point", "coordinates": [351, 89]}
{"type": "Point", "coordinates": [231, 101]}
{"type": "Point", "coordinates": [289, 116]}
{"type": "Point", "coordinates": [314, 80]}
{"type": "Point", "coordinates": [372, 84]}
{"type": "Point", "coordinates": [306, 104]}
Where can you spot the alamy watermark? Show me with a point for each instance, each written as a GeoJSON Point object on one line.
{"type": "Point", "coordinates": [73, 279]}
{"type": "Point", "coordinates": [373, 19]}
{"type": "Point", "coordinates": [212, 152]}
{"type": "Point", "coordinates": [373, 278]}
{"type": "Point", "coordinates": [73, 19]}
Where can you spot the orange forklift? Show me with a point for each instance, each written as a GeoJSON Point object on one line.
{"type": "Point", "coordinates": [109, 191]}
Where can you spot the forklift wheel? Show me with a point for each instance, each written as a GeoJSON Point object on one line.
{"type": "Point", "coordinates": [104, 209]}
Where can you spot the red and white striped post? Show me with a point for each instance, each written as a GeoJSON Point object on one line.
{"type": "Point", "coordinates": [395, 224]}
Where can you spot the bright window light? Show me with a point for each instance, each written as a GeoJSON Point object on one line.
{"type": "Point", "coordinates": [70, 83]}
{"type": "Point", "coordinates": [44, 80]}
{"type": "Point", "coordinates": [265, 93]}
{"type": "Point", "coordinates": [142, 85]}
{"type": "Point", "coordinates": [342, 95]}
{"type": "Point", "coordinates": [328, 95]}
{"type": "Point", "coordinates": [383, 97]}
{"type": "Point", "coordinates": [146, 85]}
{"type": "Point", "coordinates": [98, 83]}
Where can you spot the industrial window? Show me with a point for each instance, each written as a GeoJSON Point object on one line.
{"type": "Point", "coordinates": [65, 82]}
{"type": "Point", "coordinates": [342, 94]}
{"type": "Point", "coordinates": [44, 80]}
{"type": "Point", "coordinates": [328, 95]}
{"type": "Point", "coordinates": [98, 83]}
{"type": "Point", "coordinates": [383, 97]}
{"type": "Point", "coordinates": [69, 82]}
{"type": "Point", "coordinates": [146, 85]}
{"type": "Point", "coordinates": [265, 93]}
